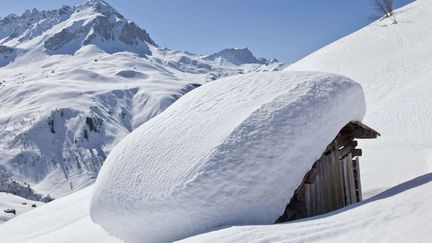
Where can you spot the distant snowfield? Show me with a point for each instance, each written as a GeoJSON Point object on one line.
{"type": "Point", "coordinates": [392, 62]}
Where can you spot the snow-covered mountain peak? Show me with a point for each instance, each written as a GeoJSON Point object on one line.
{"type": "Point", "coordinates": [237, 56]}
{"type": "Point", "coordinates": [96, 22]}
{"type": "Point", "coordinates": [66, 30]}
{"type": "Point", "coordinates": [15, 29]}
{"type": "Point", "coordinates": [102, 7]}
{"type": "Point", "coordinates": [97, 3]}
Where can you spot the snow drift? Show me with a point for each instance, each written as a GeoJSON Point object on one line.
{"type": "Point", "coordinates": [231, 152]}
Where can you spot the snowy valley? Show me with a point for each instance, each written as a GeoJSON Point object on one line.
{"type": "Point", "coordinates": [75, 81]}
{"type": "Point", "coordinates": [138, 143]}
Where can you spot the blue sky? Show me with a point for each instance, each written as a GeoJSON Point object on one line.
{"type": "Point", "coordinates": [283, 29]}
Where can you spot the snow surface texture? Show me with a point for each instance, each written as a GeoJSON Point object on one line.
{"type": "Point", "coordinates": [74, 82]}
{"type": "Point", "coordinates": [238, 161]}
{"type": "Point", "coordinates": [393, 64]}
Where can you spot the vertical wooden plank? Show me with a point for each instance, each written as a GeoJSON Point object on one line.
{"type": "Point", "coordinates": [333, 181]}
{"type": "Point", "coordinates": [346, 182]}
{"type": "Point", "coordinates": [329, 191]}
{"type": "Point", "coordinates": [351, 179]}
{"type": "Point", "coordinates": [317, 195]}
{"type": "Point", "coordinates": [337, 182]}
{"type": "Point", "coordinates": [330, 182]}
{"type": "Point", "coordinates": [342, 183]}
{"type": "Point", "coordinates": [318, 188]}
{"type": "Point", "coordinates": [323, 189]}
{"type": "Point", "coordinates": [313, 196]}
{"type": "Point", "coordinates": [358, 180]}
{"type": "Point", "coordinates": [307, 199]}
{"type": "Point", "coordinates": [302, 200]}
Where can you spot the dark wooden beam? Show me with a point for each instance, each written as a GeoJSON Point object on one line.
{"type": "Point", "coordinates": [357, 152]}
{"type": "Point", "coordinates": [358, 130]}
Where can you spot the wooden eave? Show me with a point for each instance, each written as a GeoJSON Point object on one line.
{"type": "Point", "coordinates": [358, 130]}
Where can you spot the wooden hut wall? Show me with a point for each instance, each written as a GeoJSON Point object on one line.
{"type": "Point", "coordinates": [332, 183]}
{"type": "Point", "coordinates": [334, 180]}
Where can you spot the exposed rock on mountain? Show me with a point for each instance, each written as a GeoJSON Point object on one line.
{"type": "Point", "coordinates": [106, 28]}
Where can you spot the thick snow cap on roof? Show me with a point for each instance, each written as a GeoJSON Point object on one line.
{"type": "Point", "coordinates": [231, 152]}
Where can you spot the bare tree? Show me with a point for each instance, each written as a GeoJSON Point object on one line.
{"type": "Point", "coordinates": [385, 9]}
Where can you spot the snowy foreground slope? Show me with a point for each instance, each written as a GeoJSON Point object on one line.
{"type": "Point", "coordinates": [231, 152]}
{"type": "Point", "coordinates": [74, 82]}
{"type": "Point", "coordinates": [393, 63]}
{"type": "Point", "coordinates": [63, 220]}
{"type": "Point", "coordinates": [400, 214]}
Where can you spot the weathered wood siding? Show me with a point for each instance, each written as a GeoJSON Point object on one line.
{"type": "Point", "coordinates": [332, 183]}
{"type": "Point", "coordinates": [334, 180]}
